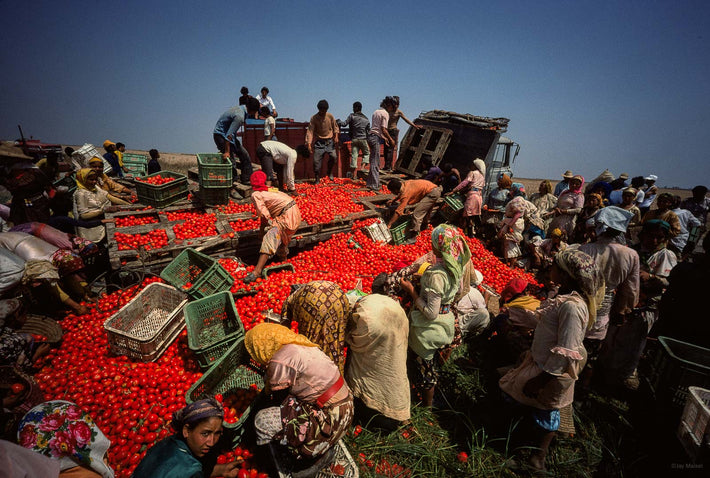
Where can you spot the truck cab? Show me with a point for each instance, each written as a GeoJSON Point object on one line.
{"type": "Point", "coordinates": [448, 137]}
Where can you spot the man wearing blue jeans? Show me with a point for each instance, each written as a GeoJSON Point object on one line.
{"type": "Point", "coordinates": [225, 138]}
{"type": "Point", "coordinates": [322, 138]}
{"type": "Point", "coordinates": [378, 135]}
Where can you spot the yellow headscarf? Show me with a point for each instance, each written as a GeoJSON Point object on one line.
{"type": "Point", "coordinates": [81, 177]}
{"type": "Point", "coordinates": [265, 339]}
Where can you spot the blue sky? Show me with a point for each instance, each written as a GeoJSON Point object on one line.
{"type": "Point", "coordinates": [586, 85]}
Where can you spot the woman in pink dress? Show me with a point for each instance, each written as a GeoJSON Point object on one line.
{"type": "Point", "coordinates": [569, 204]}
{"type": "Point", "coordinates": [472, 187]}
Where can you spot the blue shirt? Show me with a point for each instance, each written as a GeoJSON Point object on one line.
{"type": "Point", "coordinates": [561, 186]}
{"type": "Point", "coordinates": [230, 121]}
{"type": "Point", "coordinates": [113, 161]}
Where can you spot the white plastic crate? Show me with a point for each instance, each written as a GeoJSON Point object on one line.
{"type": "Point", "coordinates": [82, 156]}
{"type": "Point", "coordinates": [378, 232]}
{"type": "Point", "coordinates": [145, 327]}
{"type": "Point", "coordinates": [694, 428]}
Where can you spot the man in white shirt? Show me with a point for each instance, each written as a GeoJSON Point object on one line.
{"type": "Point", "coordinates": [278, 161]}
{"type": "Point", "coordinates": [265, 100]}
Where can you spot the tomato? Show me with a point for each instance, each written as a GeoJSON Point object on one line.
{"type": "Point", "coordinates": [462, 457]}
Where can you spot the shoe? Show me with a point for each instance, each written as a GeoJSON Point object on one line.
{"type": "Point", "coordinates": [349, 175]}
{"type": "Point", "coordinates": [410, 241]}
{"type": "Point", "coordinates": [330, 176]}
{"type": "Point", "coordinates": [249, 278]}
{"type": "Point", "coordinates": [235, 195]}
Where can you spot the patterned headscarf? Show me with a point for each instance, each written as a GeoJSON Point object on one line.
{"type": "Point", "coordinates": [258, 181]}
{"type": "Point", "coordinates": [81, 178]}
{"type": "Point", "coordinates": [265, 339]}
{"type": "Point", "coordinates": [479, 164]}
{"type": "Point", "coordinates": [195, 412]}
{"type": "Point", "coordinates": [455, 254]}
{"type": "Point", "coordinates": [321, 309]}
{"type": "Point", "coordinates": [582, 268]}
{"type": "Point", "coordinates": [62, 431]}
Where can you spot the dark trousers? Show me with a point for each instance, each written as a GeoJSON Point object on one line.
{"type": "Point", "coordinates": [235, 150]}
{"type": "Point", "coordinates": [320, 148]}
{"type": "Point", "coordinates": [274, 171]}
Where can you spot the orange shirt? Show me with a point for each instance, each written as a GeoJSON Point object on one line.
{"type": "Point", "coordinates": [412, 192]}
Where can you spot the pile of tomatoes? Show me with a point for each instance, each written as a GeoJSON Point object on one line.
{"type": "Point", "coordinates": [236, 402]}
{"type": "Point", "coordinates": [155, 239]}
{"type": "Point", "coordinates": [135, 220]}
{"type": "Point", "coordinates": [195, 225]}
{"type": "Point", "coordinates": [155, 180]}
{"type": "Point", "coordinates": [133, 402]}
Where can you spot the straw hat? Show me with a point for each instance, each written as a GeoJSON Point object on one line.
{"type": "Point", "coordinates": [477, 278]}
{"type": "Point", "coordinates": [651, 177]}
{"type": "Point", "coordinates": [568, 174]}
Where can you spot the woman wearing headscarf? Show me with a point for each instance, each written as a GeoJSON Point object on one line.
{"type": "Point", "coordinates": [544, 381]}
{"type": "Point", "coordinates": [544, 201]}
{"type": "Point", "coordinates": [377, 362]}
{"type": "Point", "coordinates": [569, 204]}
{"type": "Point", "coordinates": [92, 202]}
{"type": "Point", "coordinates": [191, 452]}
{"type": "Point", "coordinates": [499, 197]}
{"type": "Point", "coordinates": [280, 217]}
{"type": "Point", "coordinates": [318, 407]}
{"type": "Point", "coordinates": [321, 310]}
{"type": "Point", "coordinates": [625, 342]}
{"type": "Point", "coordinates": [510, 230]}
{"type": "Point", "coordinates": [106, 183]}
{"type": "Point", "coordinates": [431, 319]}
{"type": "Point", "coordinates": [61, 431]}
{"type": "Point", "coordinates": [472, 186]}
{"type": "Point", "coordinates": [593, 202]}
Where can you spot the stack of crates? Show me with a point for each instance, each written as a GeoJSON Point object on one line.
{"type": "Point", "coordinates": [165, 194]}
{"type": "Point", "coordinates": [694, 429]}
{"type": "Point", "coordinates": [136, 164]}
{"type": "Point", "coordinates": [215, 180]}
{"type": "Point", "coordinates": [82, 156]}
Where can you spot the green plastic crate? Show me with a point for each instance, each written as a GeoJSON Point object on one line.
{"type": "Point", "coordinates": [213, 325]}
{"type": "Point", "coordinates": [205, 274]}
{"type": "Point", "coordinates": [136, 164]}
{"type": "Point", "coordinates": [452, 207]}
{"type": "Point", "coordinates": [165, 194]}
{"type": "Point", "coordinates": [214, 171]}
{"type": "Point", "coordinates": [399, 230]}
{"type": "Point", "coordinates": [675, 366]}
{"type": "Point", "coordinates": [229, 373]}
{"type": "Point", "coordinates": [214, 196]}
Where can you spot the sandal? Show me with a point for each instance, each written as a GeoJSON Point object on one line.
{"type": "Point", "coordinates": [249, 278]}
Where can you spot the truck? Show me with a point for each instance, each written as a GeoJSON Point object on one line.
{"type": "Point", "coordinates": [448, 137]}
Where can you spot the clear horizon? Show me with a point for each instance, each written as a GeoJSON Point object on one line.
{"type": "Point", "coordinates": [587, 86]}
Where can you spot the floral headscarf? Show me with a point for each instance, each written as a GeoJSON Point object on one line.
{"type": "Point", "coordinates": [81, 178]}
{"type": "Point", "coordinates": [455, 254]}
{"type": "Point", "coordinates": [265, 339]}
{"type": "Point", "coordinates": [62, 431]}
{"type": "Point", "coordinates": [582, 268]}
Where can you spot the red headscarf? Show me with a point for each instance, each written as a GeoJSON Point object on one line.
{"type": "Point", "coordinates": [258, 181]}
{"type": "Point", "coordinates": [515, 286]}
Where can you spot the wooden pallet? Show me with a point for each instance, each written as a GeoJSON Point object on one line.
{"type": "Point", "coordinates": [239, 243]}
{"type": "Point", "coordinates": [428, 141]}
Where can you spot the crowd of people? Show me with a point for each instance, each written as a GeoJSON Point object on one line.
{"type": "Point", "coordinates": [615, 262]}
